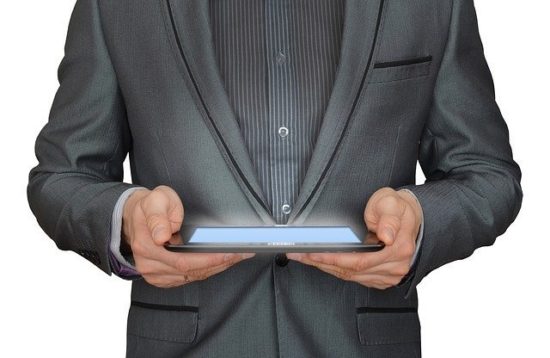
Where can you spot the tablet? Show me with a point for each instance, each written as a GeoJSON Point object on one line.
{"type": "Point", "coordinates": [275, 239]}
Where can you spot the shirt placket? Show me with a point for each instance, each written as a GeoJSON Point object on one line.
{"type": "Point", "coordinates": [281, 119]}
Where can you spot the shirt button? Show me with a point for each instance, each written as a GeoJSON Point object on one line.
{"type": "Point", "coordinates": [286, 209]}
{"type": "Point", "coordinates": [281, 57]}
{"type": "Point", "coordinates": [283, 132]}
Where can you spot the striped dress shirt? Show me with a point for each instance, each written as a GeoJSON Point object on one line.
{"type": "Point", "coordinates": [278, 61]}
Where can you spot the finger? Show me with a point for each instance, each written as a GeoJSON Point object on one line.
{"type": "Point", "coordinates": [157, 208]}
{"type": "Point", "coordinates": [389, 268]}
{"type": "Point", "coordinates": [215, 269]}
{"type": "Point", "coordinates": [369, 280]}
{"type": "Point", "coordinates": [153, 267]}
{"type": "Point", "coordinates": [354, 261]}
{"type": "Point", "coordinates": [148, 267]}
{"type": "Point", "coordinates": [348, 275]}
{"type": "Point", "coordinates": [325, 267]}
{"type": "Point", "coordinates": [178, 279]}
{"type": "Point", "coordinates": [185, 262]}
{"type": "Point", "coordinates": [393, 268]}
{"type": "Point", "coordinates": [157, 268]}
{"type": "Point", "coordinates": [387, 228]}
{"type": "Point", "coordinates": [377, 281]}
{"type": "Point", "coordinates": [167, 281]}
{"type": "Point", "coordinates": [334, 271]}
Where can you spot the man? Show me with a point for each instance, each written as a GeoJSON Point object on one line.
{"type": "Point", "coordinates": [242, 112]}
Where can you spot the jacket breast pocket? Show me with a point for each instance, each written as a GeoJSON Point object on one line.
{"type": "Point", "coordinates": [376, 326]}
{"type": "Point", "coordinates": [163, 322]}
{"type": "Point", "coordinates": [401, 70]}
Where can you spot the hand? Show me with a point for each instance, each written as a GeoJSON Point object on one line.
{"type": "Point", "coordinates": [395, 217]}
{"type": "Point", "coordinates": [149, 219]}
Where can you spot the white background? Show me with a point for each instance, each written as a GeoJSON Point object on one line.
{"type": "Point", "coordinates": [494, 304]}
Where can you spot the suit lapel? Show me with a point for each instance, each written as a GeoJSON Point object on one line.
{"type": "Point", "coordinates": [362, 21]}
{"type": "Point", "coordinates": [190, 34]}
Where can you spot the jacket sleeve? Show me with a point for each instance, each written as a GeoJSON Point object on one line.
{"type": "Point", "coordinates": [472, 191]}
{"type": "Point", "coordinates": [81, 149]}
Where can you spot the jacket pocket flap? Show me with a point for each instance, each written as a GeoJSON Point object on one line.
{"type": "Point", "coordinates": [387, 325]}
{"type": "Point", "coordinates": [162, 322]}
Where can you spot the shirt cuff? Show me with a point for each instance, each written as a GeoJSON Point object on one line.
{"type": "Point", "coordinates": [420, 231]}
{"type": "Point", "coordinates": [119, 264]}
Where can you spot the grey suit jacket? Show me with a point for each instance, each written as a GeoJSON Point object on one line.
{"type": "Point", "coordinates": [139, 77]}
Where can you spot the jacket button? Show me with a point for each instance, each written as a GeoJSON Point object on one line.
{"type": "Point", "coordinates": [281, 260]}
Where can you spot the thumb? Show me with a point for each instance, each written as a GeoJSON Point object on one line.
{"type": "Point", "coordinates": [163, 214]}
{"type": "Point", "coordinates": [388, 228]}
{"type": "Point", "coordinates": [383, 215]}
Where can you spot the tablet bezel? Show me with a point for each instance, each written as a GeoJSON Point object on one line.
{"type": "Point", "coordinates": [369, 244]}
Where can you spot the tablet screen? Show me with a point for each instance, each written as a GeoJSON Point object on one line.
{"type": "Point", "coordinates": [270, 234]}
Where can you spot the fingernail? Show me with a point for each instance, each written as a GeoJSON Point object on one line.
{"type": "Point", "coordinates": [247, 255]}
{"type": "Point", "coordinates": [389, 233]}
